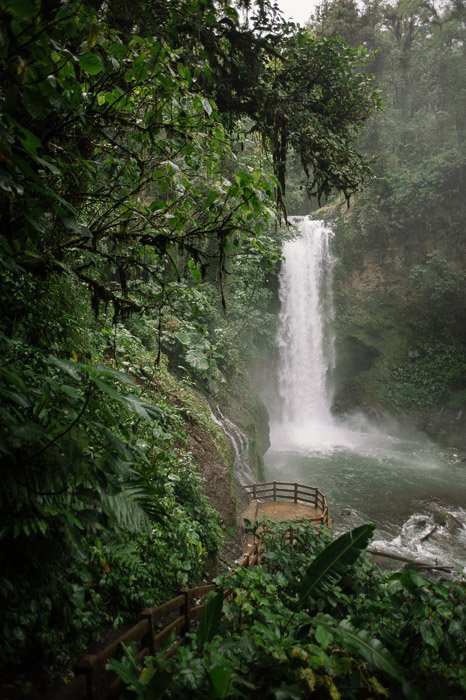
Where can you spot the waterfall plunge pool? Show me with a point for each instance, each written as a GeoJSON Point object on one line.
{"type": "Point", "coordinates": [414, 492]}
{"type": "Point", "coordinates": [407, 487]}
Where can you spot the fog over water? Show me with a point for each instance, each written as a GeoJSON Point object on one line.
{"type": "Point", "coordinates": [412, 490]}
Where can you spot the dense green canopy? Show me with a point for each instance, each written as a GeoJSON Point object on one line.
{"type": "Point", "coordinates": [136, 191]}
{"type": "Point", "coordinates": [118, 119]}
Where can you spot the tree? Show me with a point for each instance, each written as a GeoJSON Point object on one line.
{"type": "Point", "coordinates": [122, 194]}
{"type": "Point", "coordinates": [408, 224]}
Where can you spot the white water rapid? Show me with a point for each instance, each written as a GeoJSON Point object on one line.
{"type": "Point", "coordinates": [412, 490]}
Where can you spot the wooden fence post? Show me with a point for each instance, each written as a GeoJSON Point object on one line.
{"type": "Point", "coordinates": [185, 610]}
{"type": "Point", "coordinates": [296, 493]}
{"type": "Point", "coordinates": [148, 614]}
{"type": "Point", "coordinates": [274, 490]}
{"type": "Point", "coordinates": [86, 665]}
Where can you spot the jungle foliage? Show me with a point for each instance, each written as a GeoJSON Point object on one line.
{"type": "Point", "coordinates": [402, 246]}
{"type": "Point", "coordinates": [316, 620]}
{"type": "Point", "coordinates": [142, 152]}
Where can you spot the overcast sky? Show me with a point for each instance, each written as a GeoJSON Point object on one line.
{"type": "Point", "coordinates": [298, 10]}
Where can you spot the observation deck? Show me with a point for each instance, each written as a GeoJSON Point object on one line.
{"type": "Point", "coordinates": [282, 500]}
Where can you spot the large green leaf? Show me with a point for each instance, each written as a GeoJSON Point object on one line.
{"type": "Point", "coordinates": [210, 619]}
{"type": "Point", "coordinates": [335, 559]}
{"type": "Point", "coordinates": [29, 141]}
{"type": "Point", "coordinates": [142, 408]}
{"type": "Point", "coordinates": [197, 359]}
{"type": "Point", "coordinates": [376, 654]}
{"type": "Point", "coordinates": [372, 649]}
{"type": "Point", "coordinates": [220, 678]}
{"type": "Point", "coordinates": [91, 63]}
{"type": "Point", "coordinates": [133, 403]}
{"type": "Point", "coordinates": [24, 9]}
{"type": "Point", "coordinates": [104, 371]}
{"type": "Point", "coordinates": [71, 368]}
{"type": "Point", "coordinates": [127, 670]}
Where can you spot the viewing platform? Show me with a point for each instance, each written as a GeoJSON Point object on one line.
{"type": "Point", "coordinates": [281, 500]}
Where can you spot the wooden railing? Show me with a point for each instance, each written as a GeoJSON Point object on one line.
{"type": "Point", "coordinates": [290, 491]}
{"type": "Point", "coordinates": [252, 557]}
{"type": "Point", "coordinates": [160, 630]}
{"type": "Point", "coordinates": [163, 629]}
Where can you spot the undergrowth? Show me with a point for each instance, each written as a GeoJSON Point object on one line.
{"type": "Point", "coordinates": [315, 620]}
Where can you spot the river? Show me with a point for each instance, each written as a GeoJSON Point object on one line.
{"type": "Point", "coordinates": [412, 490]}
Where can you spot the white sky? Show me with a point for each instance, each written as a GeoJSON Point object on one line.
{"type": "Point", "coordinates": [298, 10]}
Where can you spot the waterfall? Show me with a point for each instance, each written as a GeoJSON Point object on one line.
{"type": "Point", "coordinates": [370, 471]}
{"type": "Point", "coordinates": [305, 341]}
{"type": "Point", "coordinates": [241, 466]}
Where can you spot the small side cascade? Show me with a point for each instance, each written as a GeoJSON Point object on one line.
{"type": "Point", "coordinates": [242, 465]}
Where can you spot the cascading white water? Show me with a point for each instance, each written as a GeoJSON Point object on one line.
{"type": "Point", "coordinates": [382, 473]}
{"type": "Point", "coordinates": [305, 345]}
{"type": "Point", "coordinates": [240, 444]}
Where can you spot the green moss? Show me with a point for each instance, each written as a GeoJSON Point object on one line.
{"type": "Point", "coordinates": [196, 409]}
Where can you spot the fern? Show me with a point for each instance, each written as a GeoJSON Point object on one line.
{"type": "Point", "coordinates": [131, 508]}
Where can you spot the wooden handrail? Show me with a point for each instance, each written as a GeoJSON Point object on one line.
{"type": "Point", "coordinates": [289, 491]}
{"type": "Point", "coordinates": [251, 558]}
{"type": "Point", "coordinates": [152, 632]}
{"type": "Point", "coordinates": [93, 682]}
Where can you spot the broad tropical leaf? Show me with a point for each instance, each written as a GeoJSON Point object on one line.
{"type": "Point", "coordinates": [335, 559]}
{"type": "Point", "coordinates": [220, 678]}
{"type": "Point", "coordinates": [210, 620]}
{"type": "Point", "coordinates": [376, 654]}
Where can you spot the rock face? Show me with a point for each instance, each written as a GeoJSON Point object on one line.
{"type": "Point", "coordinates": [354, 357]}
{"type": "Point", "coordinates": [396, 352]}
{"type": "Point", "coordinates": [243, 406]}
{"type": "Point", "coordinates": [448, 425]}
{"type": "Point", "coordinates": [216, 471]}
{"type": "Point", "coordinates": [214, 458]}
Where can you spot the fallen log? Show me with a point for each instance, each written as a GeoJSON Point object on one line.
{"type": "Point", "coordinates": [408, 560]}
{"type": "Point", "coordinates": [431, 532]}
